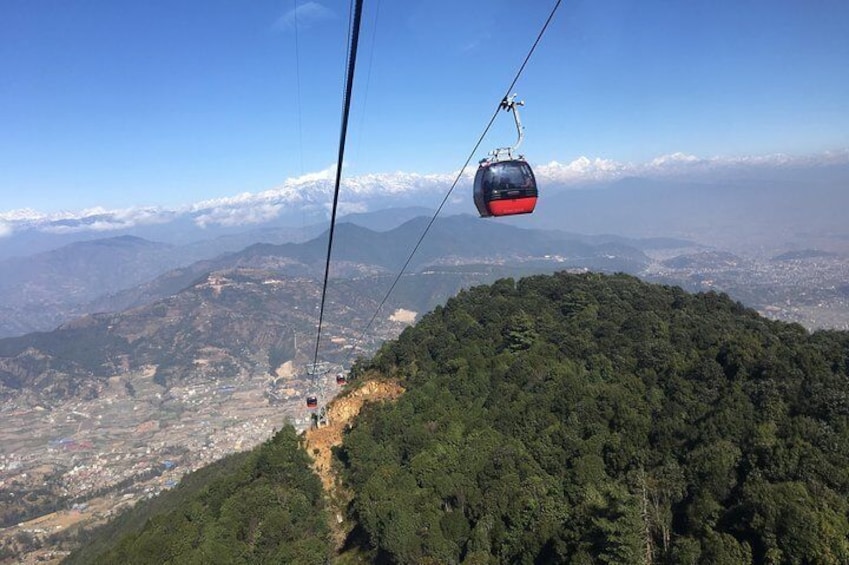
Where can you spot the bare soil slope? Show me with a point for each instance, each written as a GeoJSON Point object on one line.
{"type": "Point", "coordinates": [340, 413]}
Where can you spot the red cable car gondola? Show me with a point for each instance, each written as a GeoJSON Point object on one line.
{"type": "Point", "coordinates": [340, 379]}
{"type": "Point", "coordinates": [312, 402]}
{"type": "Point", "coordinates": [503, 188]}
{"type": "Point", "coordinates": [504, 184]}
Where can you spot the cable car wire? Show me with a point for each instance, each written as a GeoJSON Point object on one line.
{"type": "Point", "coordinates": [349, 86]}
{"type": "Point", "coordinates": [459, 175]}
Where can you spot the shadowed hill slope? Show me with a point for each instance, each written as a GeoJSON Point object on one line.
{"type": "Point", "coordinates": [264, 506]}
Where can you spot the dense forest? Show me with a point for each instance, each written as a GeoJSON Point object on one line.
{"type": "Point", "coordinates": [598, 419]}
{"type": "Point", "coordinates": [558, 419]}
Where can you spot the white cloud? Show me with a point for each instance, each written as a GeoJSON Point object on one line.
{"type": "Point", "coordinates": [313, 191]}
{"type": "Point", "coordinates": [25, 214]}
{"type": "Point", "coordinates": [581, 169]}
{"type": "Point", "coordinates": [326, 174]}
{"type": "Point", "coordinates": [674, 158]}
{"type": "Point", "coordinates": [252, 213]}
{"type": "Point", "coordinates": [304, 15]}
{"type": "Point", "coordinates": [349, 208]}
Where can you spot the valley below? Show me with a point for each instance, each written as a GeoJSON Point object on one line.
{"type": "Point", "coordinates": [77, 464]}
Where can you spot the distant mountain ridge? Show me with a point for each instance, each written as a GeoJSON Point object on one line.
{"type": "Point", "coordinates": [224, 325]}
{"type": "Point", "coordinates": [122, 272]}
{"type": "Point", "coordinates": [462, 237]}
{"type": "Point", "coordinates": [705, 259]}
{"type": "Point", "coordinates": [82, 270]}
{"type": "Point", "coordinates": [41, 290]}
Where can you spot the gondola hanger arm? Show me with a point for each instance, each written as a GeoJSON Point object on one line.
{"type": "Point", "coordinates": [510, 104]}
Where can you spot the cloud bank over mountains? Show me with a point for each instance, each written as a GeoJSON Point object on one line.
{"type": "Point", "coordinates": [312, 193]}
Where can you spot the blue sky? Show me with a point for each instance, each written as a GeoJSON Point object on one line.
{"type": "Point", "coordinates": [118, 104]}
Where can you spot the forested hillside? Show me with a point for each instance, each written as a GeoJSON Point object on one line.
{"type": "Point", "coordinates": [558, 419]}
{"type": "Point", "coordinates": [594, 419]}
{"type": "Point", "coordinates": [264, 506]}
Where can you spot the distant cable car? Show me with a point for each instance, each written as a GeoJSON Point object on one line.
{"type": "Point", "coordinates": [312, 402]}
{"type": "Point", "coordinates": [340, 379]}
{"type": "Point", "coordinates": [505, 184]}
